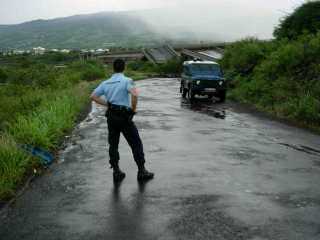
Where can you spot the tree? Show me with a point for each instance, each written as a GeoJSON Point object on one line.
{"type": "Point", "coordinates": [305, 18]}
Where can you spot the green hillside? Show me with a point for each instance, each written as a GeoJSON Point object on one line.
{"type": "Point", "coordinates": [81, 31]}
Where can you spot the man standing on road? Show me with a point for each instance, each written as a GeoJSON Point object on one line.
{"type": "Point", "coordinates": [117, 91]}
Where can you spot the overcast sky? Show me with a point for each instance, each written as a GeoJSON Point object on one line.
{"type": "Point", "coordinates": [17, 11]}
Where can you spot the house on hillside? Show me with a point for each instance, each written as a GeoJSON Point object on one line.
{"type": "Point", "coordinates": [100, 51]}
{"type": "Point", "coordinates": [39, 51]}
{"type": "Point", "coordinates": [65, 51]}
{"type": "Point", "coordinates": [18, 52]}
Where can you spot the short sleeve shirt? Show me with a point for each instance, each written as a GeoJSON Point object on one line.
{"type": "Point", "coordinates": [116, 90]}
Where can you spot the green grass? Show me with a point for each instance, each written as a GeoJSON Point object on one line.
{"type": "Point", "coordinates": [38, 105]}
{"type": "Point", "coordinates": [43, 128]}
{"type": "Point", "coordinates": [13, 165]}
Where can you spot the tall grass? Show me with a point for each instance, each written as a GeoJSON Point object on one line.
{"type": "Point", "coordinates": [47, 124]}
{"type": "Point", "coordinates": [13, 164]}
{"type": "Point", "coordinates": [38, 105]}
{"type": "Point", "coordinates": [43, 127]}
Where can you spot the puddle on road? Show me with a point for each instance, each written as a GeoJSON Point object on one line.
{"type": "Point", "coordinates": [302, 148]}
{"type": "Point", "coordinates": [294, 200]}
{"type": "Point", "coordinates": [206, 106]}
{"type": "Point", "coordinates": [203, 217]}
{"type": "Point", "coordinates": [152, 113]}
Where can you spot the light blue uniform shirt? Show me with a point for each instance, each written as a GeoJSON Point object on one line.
{"type": "Point", "coordinates": [116, 90]}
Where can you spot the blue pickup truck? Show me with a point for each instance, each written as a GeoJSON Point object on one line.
{"type": "Point", "coordinates": [203, 78]}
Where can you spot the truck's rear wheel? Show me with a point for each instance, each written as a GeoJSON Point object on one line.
{"type": "Point", "coordinates": [222, 96]}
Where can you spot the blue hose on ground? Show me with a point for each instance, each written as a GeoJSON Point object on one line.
{"type": "Point", "coordinates": [46, 157]}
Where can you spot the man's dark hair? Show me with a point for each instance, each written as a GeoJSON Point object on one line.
{"type": "Point", "coordinates": [119, 65]}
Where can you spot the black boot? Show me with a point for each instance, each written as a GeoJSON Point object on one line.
{"type": "Point", "coordinates": [118, 175]}
{"type": "Point", "coordinates": [144, 175]}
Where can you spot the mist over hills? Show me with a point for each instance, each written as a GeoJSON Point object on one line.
{"type": "Point", "coordinates": [142, 28]}
{"type": "Point", "coordinates": [81, 31]}
{"type": "Point", "coordinates": [221, 21]}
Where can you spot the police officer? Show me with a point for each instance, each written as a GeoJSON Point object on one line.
{"type": "Point", "coordinates": [117, 91]}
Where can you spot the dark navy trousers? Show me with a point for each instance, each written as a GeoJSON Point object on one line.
{"type": "Point", "coordinates": [121, 122]}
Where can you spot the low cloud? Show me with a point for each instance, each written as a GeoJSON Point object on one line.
{"type": "Point", "coordinates": [216, 20]}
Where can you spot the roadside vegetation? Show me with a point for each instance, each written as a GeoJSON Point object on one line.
{"type": "Point", "coordinates": [39, 102]}
{"type": "Point", "coordinates": [280, 76]}
{"type": "Point", "coordinates": [42, 96]}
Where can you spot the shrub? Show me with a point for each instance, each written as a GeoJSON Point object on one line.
{"type": "Point", "coordinates": [142, 66]}
{"type": "Point", "coordinates": [89, 70]}
{"type": "Point", "coordinates": [173, 66]}
{"type": "Point", "coordinates": [3, 76]}
{"type": "Point", "coordinates": [297, 60]}
{"type": "Point", "coordinates": [284, 78]}
{"type": "Point", "coordinates": [92, 73]}
{"type": "Point", "coordinates": [242, 57]}
{"type": "Point", "coordinates": [38, 75]}
{"type": "Point", "coordinates": [307, 109]}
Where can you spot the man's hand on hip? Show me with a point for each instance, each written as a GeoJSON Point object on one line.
{"type": "Point", "coordinates": [99, 100]}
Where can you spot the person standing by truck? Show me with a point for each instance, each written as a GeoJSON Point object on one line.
{"type": "Point", "coordinates": [117, 91]}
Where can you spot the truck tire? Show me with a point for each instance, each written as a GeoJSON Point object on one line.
{"type": "Point", "coordinates": [222, 96]}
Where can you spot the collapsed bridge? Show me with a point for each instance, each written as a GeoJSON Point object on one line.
{"type": "Point", "coordinates": [159, 55]}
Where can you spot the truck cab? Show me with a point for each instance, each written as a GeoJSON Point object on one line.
{"type": "Point", "coordinates": [203, 78]}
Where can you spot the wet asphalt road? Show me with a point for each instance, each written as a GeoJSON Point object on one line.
{"type": "Point", "coordinates": [222, 172]}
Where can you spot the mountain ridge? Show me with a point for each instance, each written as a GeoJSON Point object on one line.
{"type": "Point", "coordinates": [143, 28]}
{"type": "Point", "coordinates": [79, 31]}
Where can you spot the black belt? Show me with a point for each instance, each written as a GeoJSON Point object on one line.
{"type": "Point", "coordinates": [119, 107]}
{"type": "Point", "coordinates": [123, 112]}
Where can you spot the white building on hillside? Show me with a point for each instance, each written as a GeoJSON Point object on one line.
{"type": "Point", "coordinates": [39, 50]}
{"type": "Point", "coordinates": [65, 51]}
{"type": "Point", "coordinates": [18, 52]}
